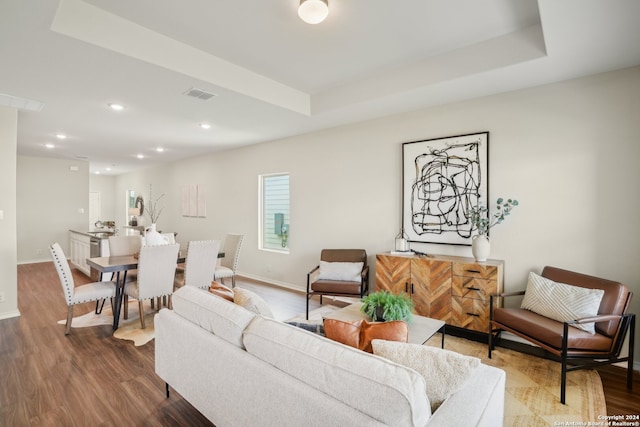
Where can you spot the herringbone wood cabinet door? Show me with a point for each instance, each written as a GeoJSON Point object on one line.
{"type": "Point", "coordinates": [431, 288]}
{"type": "Point", "coordinates": [392, 273]}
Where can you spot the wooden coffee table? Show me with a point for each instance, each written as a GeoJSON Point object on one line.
{"type": "Point", "coordinates": [421, 328]}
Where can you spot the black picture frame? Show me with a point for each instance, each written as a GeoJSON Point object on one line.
{"type": "Point", "coordinates": [442, 179]}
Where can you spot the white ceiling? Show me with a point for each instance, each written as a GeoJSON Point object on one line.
{"type": "Point", "coordinates": [274, 75]}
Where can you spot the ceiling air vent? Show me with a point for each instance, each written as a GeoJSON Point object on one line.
{"type": "Point", "coordinates": [200, 94]}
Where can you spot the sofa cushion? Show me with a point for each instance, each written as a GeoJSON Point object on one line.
{"type": "Point", "coordinates": [214, 314]}
{"type": "Point", "coordinates": [343, 271]}
{"type": "Point", "coordinates": [360, 333]}
{"type": "Point", "coordinates": [444, 371]}
{"type": "Point", "coordinates": [550, 331]}
{"type": "Point", "coordinates": [347, 333]}
{"type": "Point", "coordinates": [221, 290]}
{"type": "Point", "coordinates": [251, 301]}
{"type": "Point", "coordinates": [388, 392]}
{"type": "Point", "coordinates": [561, 302]}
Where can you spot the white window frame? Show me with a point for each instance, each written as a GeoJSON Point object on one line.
{"type": "Point", "coordinates": [261, 211]}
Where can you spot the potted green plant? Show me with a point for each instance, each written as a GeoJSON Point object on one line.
{"type": "Point", "coordinates": [385, 306]}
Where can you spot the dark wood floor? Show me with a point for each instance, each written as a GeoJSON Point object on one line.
{"type": "Point", "coordinates": [91, 378]}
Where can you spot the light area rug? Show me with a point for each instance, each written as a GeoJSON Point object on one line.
{"type": "Point", "coordinates": [127, 329]}
{"type": "Point", "coordinates": [532, 395]}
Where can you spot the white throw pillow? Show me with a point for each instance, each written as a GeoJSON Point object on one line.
{"type": "Point", "coordinates": [343, 271]}
{"type": "Point", "coordinates": [444, 371]}
{"type": "Point", "coordinates": [561, 302]}
{"type": "Point", "coordinates": [251, 301]}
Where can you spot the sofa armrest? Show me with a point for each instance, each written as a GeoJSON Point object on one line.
{"type": "Point", "coordinates": [594, 319]}
{"type": "Point", "coordinates": [507, 294]}
{"type": "Point", "coordinates": [480, 402]}
{"type": "Point", "coordinates": [312, 277]}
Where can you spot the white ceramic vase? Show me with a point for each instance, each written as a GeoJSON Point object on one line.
{"type": "Point", "coordinates": [480, 247]}
{"type": "Point", "coordinates": [153, 238]}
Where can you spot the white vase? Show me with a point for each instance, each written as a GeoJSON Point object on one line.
{"type": "Point", "coordinates": [480, 247]}
{"type": "Point", "coordinates": [153, 238]}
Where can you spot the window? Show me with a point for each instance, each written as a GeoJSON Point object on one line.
{"type": "Point", "coordinates": [274, 212]}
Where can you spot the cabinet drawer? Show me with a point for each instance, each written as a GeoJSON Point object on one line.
{"type": "Point", "coordinates": [481, 271]}
{"type": "Point", "coordinates": [470, 313]}
{"type": "Point", "coordinates": [473, 287]}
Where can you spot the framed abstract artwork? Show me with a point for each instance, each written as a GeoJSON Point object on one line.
{"type": "Point", "coordinates": [443, 179]}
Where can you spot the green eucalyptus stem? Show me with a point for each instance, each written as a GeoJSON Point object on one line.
{"type": "Point", "coordinates": [480, 219]}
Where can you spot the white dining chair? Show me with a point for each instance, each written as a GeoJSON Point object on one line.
{"type": "Point", "coordinates": [229, 264]}
{"type": "Point", "coordinates": [200, 264]}
{"type": "Point", "coordinates": [73, 294]}
{"type": "Point", "coordinates": [124, 245]}
{"type": "Point", "coordinates": [156, 273]}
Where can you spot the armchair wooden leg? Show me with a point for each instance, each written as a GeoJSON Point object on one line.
{"type": "Point", "coordinates": [125, 306]}
{"type": "Point", "coordinates": [170, 303]}
{"type": "Point", "coordinates": [69, 318]}
{"type": "Point", "coordinates": [141, 311]}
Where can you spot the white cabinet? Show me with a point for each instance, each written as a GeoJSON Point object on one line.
{"type": "Point", "coordinates": [80, 251]}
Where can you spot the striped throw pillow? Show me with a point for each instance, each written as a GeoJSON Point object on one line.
{"type": "Point", "coordinates": [561, 302]}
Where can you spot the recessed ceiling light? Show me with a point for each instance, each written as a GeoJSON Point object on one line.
{"type": "Point", "coordinates": [49, 145]}
{"type": "Point", "coordinates": [160, 149]}
{"type": "Point", "coordinates": [61, 136]}
{"type": "Point", "coordinates": [108, 169]}
{"type": "Point", "coordinates": [97, 172]}
{"type": "Point", "coordinates": [205, 125]}
{"type": "Point", "coordinates": [140, 156]}
{"type": "Point", "coordinates": [116, 107]}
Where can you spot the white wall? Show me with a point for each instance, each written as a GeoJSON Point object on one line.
{"type": "Point", "coordinates": [8, 242]}
{"type": "Point", "coordinates": [49, 198]}
{"type": "Point", "coordinates": [566, 151]}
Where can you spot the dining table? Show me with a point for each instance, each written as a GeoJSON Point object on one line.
{"type": "Point", "coordinates": [122, 264]}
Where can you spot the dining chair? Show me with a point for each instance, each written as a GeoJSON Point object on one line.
{"type": "Point", "coordinates": [124, 245]}
{"type": "Point", "coordinates": [200, 264]}
{"type": "Point", "coordinates": [156, 273]}
{"type": "Point", "coordinates": [229, 264]}
{"type": "Point", "coordinates": [73, 294]}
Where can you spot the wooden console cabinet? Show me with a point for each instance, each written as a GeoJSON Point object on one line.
{"type": "Point", "coordinates": [453, 289]}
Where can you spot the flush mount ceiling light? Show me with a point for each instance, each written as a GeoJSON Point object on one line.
{"type": "Point", "coordinates": [116, 107]}
{"type": "Point", "coordinates": [313, 11]}
{"type": "Point", "coordinates": [61, 136]}
{"type": "Point", "coordinates": [49, 145]}
{"type": "Point", "coordinates": [160, 150]}
{"type": "Point", "coordinates": [205, 126]}
{"type": "Point", "coordinates": [140, 156]}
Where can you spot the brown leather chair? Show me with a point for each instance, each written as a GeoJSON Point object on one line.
{"type": "Point", "coordinates": [322, 287]}
{"type": "Point", "coordinates": [573, 346]}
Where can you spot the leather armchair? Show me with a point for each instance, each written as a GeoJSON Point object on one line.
{"type": "Point", "coordinates": [573, 346]}
{"type": "Point", "coordinates": [316, 286]}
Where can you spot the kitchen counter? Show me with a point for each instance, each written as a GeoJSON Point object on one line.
{"type": "Point", "coordinates": [99, 233]}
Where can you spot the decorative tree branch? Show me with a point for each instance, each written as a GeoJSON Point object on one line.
{"type": "Point", "coordinates": [152, 207]}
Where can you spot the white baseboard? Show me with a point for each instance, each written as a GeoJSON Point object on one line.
{"type": "Point", "coordinates": [272, 282]}
{"type": "Point", "coordinates": [10, 314]}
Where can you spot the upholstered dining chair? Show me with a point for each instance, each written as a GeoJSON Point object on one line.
{"type": "Point", "coordinates": [73, 294]}
{"type": "Point", "coordinates": [341, 272]}
{"type": "Point", "coordinates": [547, 318]}
{"type": "Point", "coordinates": [200, 264]}
{"type": "Point", "coordinates": [156, 273]}
{"type": "Point", "coordinates": [229, 264]}
{"type": "Point", "coordinates": [124, 245]}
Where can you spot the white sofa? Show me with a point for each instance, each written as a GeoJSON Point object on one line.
{"type": "Point", "coordinates": [242, 369]}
